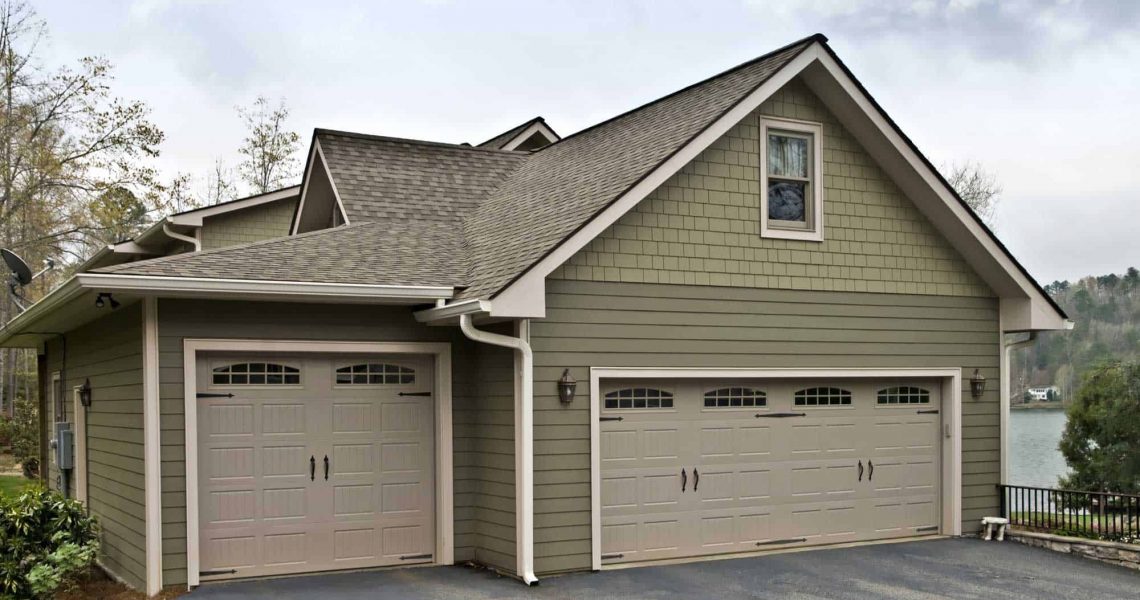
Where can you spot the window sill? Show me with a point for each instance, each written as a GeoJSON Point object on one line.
{"type": "Point", "coordinates": [805, 235]}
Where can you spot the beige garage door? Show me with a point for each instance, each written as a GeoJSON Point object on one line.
{"type": "Point", "coordinates": [692, 468]}
{"type": "Point", "coordinates": [311, 463]}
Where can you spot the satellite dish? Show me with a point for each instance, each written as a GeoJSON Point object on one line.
{"type": "Point", "coordinates": [21, 273]}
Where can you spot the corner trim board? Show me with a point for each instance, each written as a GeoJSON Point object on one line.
{"type": "Point", "coordinates": [444, 509]}
{"type": "Point", "coordinates": [152, 447]}
{"type": "Point", "coordinates": [951, 448]}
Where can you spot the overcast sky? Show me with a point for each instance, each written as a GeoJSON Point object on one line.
{"type": "Point", "coordinates": [1044, 94]}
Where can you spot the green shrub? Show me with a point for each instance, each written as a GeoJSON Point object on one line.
{"type": "Point", "coordinates": [23, 433]}
{"type": "Point", "coordinates": [46, 543]}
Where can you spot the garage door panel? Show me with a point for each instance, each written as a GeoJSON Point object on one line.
{"type": "Point", "coordinates": [268, 506]}
{"type": "Point", "coordinates": [770, 475]}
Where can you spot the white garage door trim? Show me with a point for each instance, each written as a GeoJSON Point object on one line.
{"type": "Point", "coordinates": [441, 351]}
{"type": "Point", "coordinates": [951, 393]}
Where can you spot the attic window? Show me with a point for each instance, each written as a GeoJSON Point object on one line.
{"type": "Point", "coordinates": [790, 188]}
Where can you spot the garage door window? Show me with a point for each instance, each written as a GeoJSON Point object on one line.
{"type": "Point", "coordinates": [823, 396]}
{"type": "Point", "coordinates": [256, 373]}
{"type": "Point", "coordinates": [639, 398]}
{"type": "Point", "coordinates": [375, 374]}
{"type": "Point", "coordinates": [735, 397]}
{"type": "Point", "coordinates": [904, 395]}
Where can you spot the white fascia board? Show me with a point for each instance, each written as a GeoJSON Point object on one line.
{"type": "Point", "coordinates": [453, 310]}
{"type": "Point", "coordinates": [251, 288]}
{"type": "Point", "coordinates": [193, 218]}
{"type": "Point", "coordinates": [526, 297]}
{"type": "Point", "coordinates": [524, 135]}
{"type": "Point", "coordinates": [925, 188]}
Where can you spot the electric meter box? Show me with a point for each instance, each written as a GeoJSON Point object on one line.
{"type": "Point", "coordinates": [64, 446]}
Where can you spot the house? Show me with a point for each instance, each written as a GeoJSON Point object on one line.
{"type": "Point", "coordinates": [1044, 394]}
{"type": "Point", "coordinates": [749, 315]}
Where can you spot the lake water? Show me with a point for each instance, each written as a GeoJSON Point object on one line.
{"type": "Point", "coordinates": [1034, 459]}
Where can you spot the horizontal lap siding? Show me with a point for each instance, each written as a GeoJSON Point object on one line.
{"type": "Point", "coordinates": [108, 352]}
{"type": "Point", "coordinates": [484, 459]}
{"type": "Point", "coordinates": [262, 222]}
{"type": "Point", "coordinates": [480, 426]}
{"type": "Point", "coordinates": [596, 324]}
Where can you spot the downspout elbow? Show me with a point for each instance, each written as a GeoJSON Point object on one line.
{"type": "Point", "coordinates": [170, 233]}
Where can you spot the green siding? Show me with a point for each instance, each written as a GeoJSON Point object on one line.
{"type": "Point", "coordinates": [108, 352]}
{"type": "Point", "coordinates": [595, 324]}
{"type": "Point", "coordinates": [263, 222]}
{"type": "Point", "coordinates": [483, 415]}
{"type": "Point", "coordinates": [702, 226]}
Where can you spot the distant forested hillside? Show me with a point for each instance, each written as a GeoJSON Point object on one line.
{"type": "Point", "coordinates": [1106, 311]}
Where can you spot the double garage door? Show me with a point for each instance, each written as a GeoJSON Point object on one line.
{"type": "Point", "coordinates": [310, 463]}
{"type": "Point", "coordinates": [693, 468]}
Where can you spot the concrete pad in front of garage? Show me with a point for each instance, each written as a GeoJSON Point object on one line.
{"type": "Point", "coordinates": [948, 568]}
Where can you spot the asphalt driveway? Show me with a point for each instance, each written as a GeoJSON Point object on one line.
{"type": "Point", "coordinates": [952, 568]}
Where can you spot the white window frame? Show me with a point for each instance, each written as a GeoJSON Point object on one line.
{"type": "Point", "coordinates": [813, 232]}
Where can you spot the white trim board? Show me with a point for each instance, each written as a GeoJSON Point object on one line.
{"type": "Point", "coordinates": [951, 417]}
{"type": "Point", "coordinates": [525, 134]}
{"type": "Point", "coordinates": [315, 153]}
{"type": "Point", "coordinates": [445, 503]}
{"type": "Point", "coordinates": [152, 447]}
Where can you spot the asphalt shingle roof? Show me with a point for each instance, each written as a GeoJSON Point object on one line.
{"type": "Point", "coordinates": [378, 253]}
{"type": "Point", "coordinates": [426, 213]}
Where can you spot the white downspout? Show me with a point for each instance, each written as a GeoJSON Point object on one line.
{"type": "Point", "coordinates": [197, 243]}
{"type": "Point", "coordinates": [1006, 378]}
{"type": "Point", "coordinates": [524, 455]}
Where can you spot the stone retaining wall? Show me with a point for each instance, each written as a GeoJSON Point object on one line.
{"type": "Point", "coordinates": [1125, 555]}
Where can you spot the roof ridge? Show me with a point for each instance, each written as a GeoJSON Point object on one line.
{"type": "Point", "coordinates": [398, 140]}
{"type": "Point", "coordinates": [235, 200]}
{"type": "Point", "coordinates": [214, 251]}
{"type": "Point", "coordinates": [815, 37]}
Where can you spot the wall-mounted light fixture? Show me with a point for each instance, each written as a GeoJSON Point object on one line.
{"type": "Point", "coordinates": [85, 393]}
{"type": "Point", "coordinates": [977, 385]}
{"type": "Point", "coordinates": [99, 300]}
{"type": "Point", "coordinates": [566, 387]}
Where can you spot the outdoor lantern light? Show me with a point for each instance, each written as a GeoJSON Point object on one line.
{"type": "Point", "coordinates": [977, 385]}
{"type": "Point", "coordinates": [85, 393]}
{"type": "Point", "coordinates": [566, 387]}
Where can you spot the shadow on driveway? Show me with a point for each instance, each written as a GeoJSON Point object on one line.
{"type": "Point", "coordinates": [951, 568]}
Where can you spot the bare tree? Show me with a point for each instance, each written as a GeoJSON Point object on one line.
{"type": "Point", "coordinates": [978, 187]}
{"type": "Point", "coordinates": [269, 148]}
{"type": "Point", "coordinates": [220, 185]}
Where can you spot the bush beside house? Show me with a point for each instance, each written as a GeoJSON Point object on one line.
{"type": "Point", "coordinates": [47, 542]}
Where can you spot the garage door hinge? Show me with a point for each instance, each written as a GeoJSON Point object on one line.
{"type": "Point", "coordinates": [779, 542]}
{"type": "Point", "coordinates": [928, 412]}
{"type": "Point", "coordinates": [780, 415]}
{"type": "Point", "coordinates": [928, 528]}
{"type": "Point", "coordinates": [209, 395]}
{"type": "Point", "coordinates": [217, 572]}
{"type": "Point", "coordinates": [415, 556]}
{"type": "Point", "coordinates": [612, 556]}
{"type": "Point", "coordinates": [415, 393]}
{"type": "Point", "coordinates": [610, 418]}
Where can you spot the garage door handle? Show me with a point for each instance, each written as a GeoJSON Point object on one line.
{"type": "Point", "coordinates": [684, 480]}
{"type": "Point", "coordinates": [326, 467]}
{"type": "Point", "coordinates": [312, 468]}
{"type": "Point", "coordinates": [696, 479]}
{"type": "Point", "coordinates": [860, 470]}
{"type": "Point", "coordinates": [870, 469]}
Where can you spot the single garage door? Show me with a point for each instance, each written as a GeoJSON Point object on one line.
{"type": "Point", "coordinates": [311, 463]}
{"type": "Point", "coordinates": [693, 468]}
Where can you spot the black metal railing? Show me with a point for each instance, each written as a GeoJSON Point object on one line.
{"type": "Point", "coordinates": [1098, 515]}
